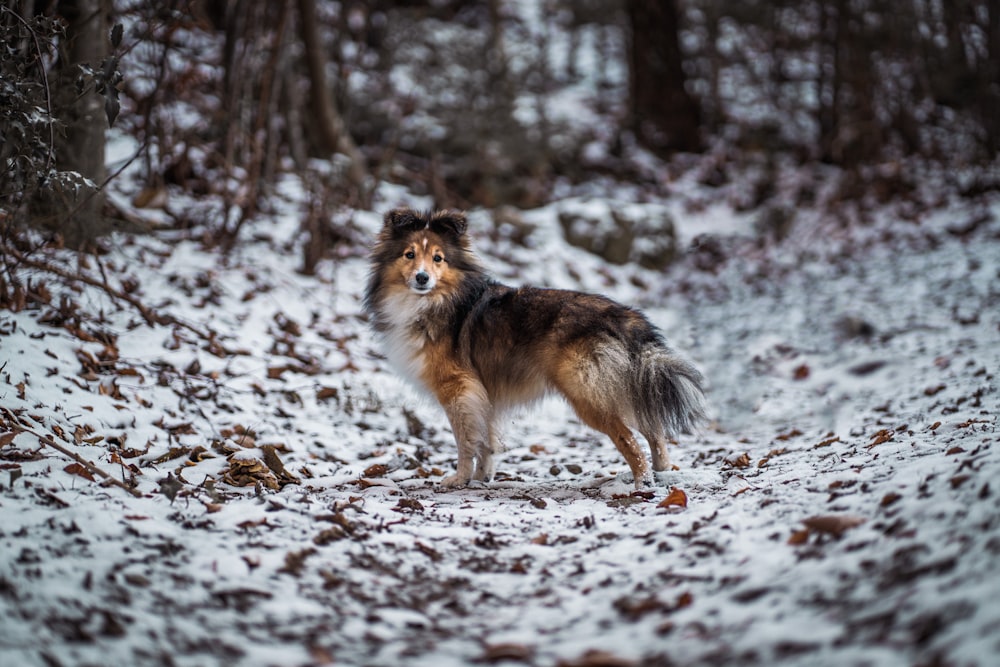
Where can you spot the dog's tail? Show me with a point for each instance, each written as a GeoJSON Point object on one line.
{"type": "Point", "coordinates": [667, 393]}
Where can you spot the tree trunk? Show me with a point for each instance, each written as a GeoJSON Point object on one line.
{"type": "Point", "coordinates": [75, 211]}
{"type": "Point", "coordinates": [331, 126]}
{"type": "Point", "coordinates": [664, 116]}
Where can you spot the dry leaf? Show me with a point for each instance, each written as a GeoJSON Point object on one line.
{"type": "Point", "coordinates": [890, 498]}
{"type": "Point", "coordinates": [741, 461]}
{"type": "Point", "coordinates": [408, 505]}
{"type": "Point", "coordinates": [832, 524]}
{"type": "Point", "coordinates": [676, 498]}
{"type": "Point", "coordinates": [799, 536]}
{"type": "Point", "coordinates": [376, 470]}
{"type": "Point", "coordinates": [326, 393]}
{"type": "Point", "coordinates": [885, 435]}
{"type": "Point", "coordinates": [597, 658]}
{"type": "Point", "coordinates": [79, 470]}
{"type": "Point", "coordinates": [508, 651]}
{"type": "Point", "coordinates": [826, 443]}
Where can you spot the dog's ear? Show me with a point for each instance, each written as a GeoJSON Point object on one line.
{"type": "Point", "coordinates": [449, 223]}
{"type": "Point", "coordinates": [401, 221]}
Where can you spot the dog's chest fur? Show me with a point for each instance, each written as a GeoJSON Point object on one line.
{"type": "Point", "coordinates": [411, 326]}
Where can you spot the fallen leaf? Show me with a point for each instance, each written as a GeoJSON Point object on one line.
{"type": "Point", "coordinates": [79, 470]}
{"type": "Point", "coordinates": [826, 443]}
{"type": "Point", "coordinates": [882, 436]}
{"type": "Point", "coordinates": [958, 480]}
{"type": "Point", "coordinates": [408, 505]}
{"type": "Point", "coordinates": [801, 372]}
{"type": "Point", "coordinates": [296, 560]}
{"type": "Point", "coordinates": [430, 552]}
{"type": "Point", "coordinates": [597, 658]}
{"type": "Point", "coordinates": [170, 486]}
{"type": "Point", "coordinates": [799, 536]}
{"type": "Point", "coordinates": [273, 462]}
{"type": "Point", "coordinates": [676, 498]}
{"type": "Point", "coordinates": [890, 498]}
{"type": "Point", "coordinates": [741, 461]}
{"type": "Point", "coordinates": [376, 470]}
{"type": "Point", "coordinates": [326, 393]}
{"type": "Point", "coordinates": [507, 651]}
{"type": "Point", "coordinates": [832, 524]}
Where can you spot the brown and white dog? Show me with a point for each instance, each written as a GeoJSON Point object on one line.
{"type": "Point", "coordinates": [481, 348]}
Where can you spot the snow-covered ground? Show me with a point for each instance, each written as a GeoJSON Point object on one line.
{"type": "Point", "coordinates": [841, 510]}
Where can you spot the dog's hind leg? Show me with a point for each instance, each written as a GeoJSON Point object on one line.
{"type": "Point", "coordinates": [468, 410]}
{"type": "Point", "coordinates": [658, 448]}
{"type": "Point", "coordinates": [620, 434]}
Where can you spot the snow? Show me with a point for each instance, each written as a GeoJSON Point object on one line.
{"type": "Point", "coordinates": [352, 564]}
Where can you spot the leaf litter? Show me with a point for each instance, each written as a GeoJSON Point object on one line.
{"type": "Point", "coordinates": [287, 509]}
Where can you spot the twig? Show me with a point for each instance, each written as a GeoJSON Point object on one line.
{"type": "Point", "coordinates": [152, 318]}
{"type": "Point", "coordinates": [91, 468]}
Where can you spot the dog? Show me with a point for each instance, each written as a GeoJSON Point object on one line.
{"type": "Point", "coordinates": [482, 348]}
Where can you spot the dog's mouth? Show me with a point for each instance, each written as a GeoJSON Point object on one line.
{"type": "Point", "coordinates": [421, 289]}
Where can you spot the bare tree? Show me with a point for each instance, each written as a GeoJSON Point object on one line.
{"type": "Point", "coordinates": [332, 129]}
{"type": "Point", "coordinates": [73, 207]}
{"type": "Point", "coordinates": [664, 115]}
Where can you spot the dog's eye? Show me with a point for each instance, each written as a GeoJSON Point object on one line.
{"type": "Point", "coordinates": [410, 254]}
{"type": "Point", "coordinates": [438, 259]}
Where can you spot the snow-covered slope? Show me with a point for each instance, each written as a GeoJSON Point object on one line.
{"type": "Point", "coordinates": [842, 509]}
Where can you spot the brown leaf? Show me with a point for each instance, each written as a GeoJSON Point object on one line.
{"type": "Point", "coordinates": [326, 393]}
{"type": "Point", "coordinates": [801, 372]}
{"type": "Point", "coordinates": [80, 471]}
{"type": "Point", "coordinates": [890, 498]}
{"type": "Point", "coordinates": [296, 560]}
{"type": "Point", "coordinates": [408, 505]}
{"type": "Point", "coordinates": [430, 552]}
{"type": "Point", "coordinates": [741, 461]}
{"type": "Point", "coordinates": [249, 472]}
{"type": "Point", "coordinates": [826, 443]}
{"type": "Point", "coordinates": [832, 524]}
{"type": "Point", "coordinates": [676, 498]}
{"type": "Point", "coordinates": [376, 470]}
{"type": "Point", "coordinates": [882, 436]}
{"type": "Point", "coordinates": [597, 658]}
{"type": "Point", "coordinates": [274, 463]}
{"type": "Point", "coordinates": [507, 651]}
{"type": "Point", "coordinates": [799, 536]}
{"type": "Point", "coordinates": [7, 438]}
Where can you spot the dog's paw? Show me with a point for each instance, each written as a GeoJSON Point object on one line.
{"type": "Point", "coordinates": [455, 481]}
{"type": "Point", "coordinates": [644, 482]}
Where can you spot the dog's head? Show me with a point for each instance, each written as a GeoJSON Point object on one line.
{"type": "Point", "coordinates": [422, 249]}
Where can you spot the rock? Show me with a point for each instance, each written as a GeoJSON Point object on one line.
{"type": "Point", "coordinates": [621, 233]}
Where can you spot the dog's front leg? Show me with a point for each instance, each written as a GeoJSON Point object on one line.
{"type": "Point", "coordinates": [468, 413]}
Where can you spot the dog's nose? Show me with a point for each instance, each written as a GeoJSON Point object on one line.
{"type": "Point", "coordinates": [422, 277]}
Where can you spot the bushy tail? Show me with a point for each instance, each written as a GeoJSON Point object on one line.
{"type": "Point", "coordinates": [667, 393]}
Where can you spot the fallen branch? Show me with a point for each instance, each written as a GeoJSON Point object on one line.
{"type": "Point", "coordinates": [91, 468]}
{"type": "Point", "coordinates": [152, 317]}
